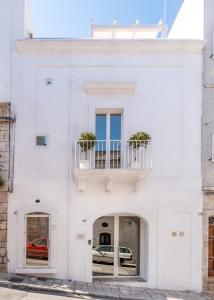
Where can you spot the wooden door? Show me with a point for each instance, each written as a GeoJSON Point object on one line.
{"type": "Point", "coordinates": [211, 248]}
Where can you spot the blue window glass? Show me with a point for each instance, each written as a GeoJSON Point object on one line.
{"type": "Point", "coordinates": [101, 127]}
{"type": "Point", "coordinates": [115, 127]}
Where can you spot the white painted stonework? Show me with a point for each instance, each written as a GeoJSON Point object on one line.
{"type": "Point", "coordinates": [189, 22]}
{"type": "Point", "coordinates": [156, 85]}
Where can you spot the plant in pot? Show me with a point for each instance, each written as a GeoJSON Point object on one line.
{"type": "Point", "coordinates": [135, 142]}
{"type": "Point", "coordinates": [87, 142]}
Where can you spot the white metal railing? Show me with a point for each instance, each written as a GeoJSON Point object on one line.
{"type": "Point", "coordinates": [113, 154]}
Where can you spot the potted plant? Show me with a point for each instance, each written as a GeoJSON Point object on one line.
{"type": "Point", "coordinates": [135, 142]}
{"type": "Point", "coordinates": [87, 142]}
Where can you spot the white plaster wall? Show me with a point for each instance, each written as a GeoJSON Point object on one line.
{"type": "Point", "coordinates": [5, 31]}
{"type": "Point", "coordinates": [189, 22]}
{"type": "Point", "coordinates": [14, 24]}
{"type": "Point", "coordinates": [167, 104]}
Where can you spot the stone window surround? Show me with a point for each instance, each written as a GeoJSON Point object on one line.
{"type": "Point", "coordinates": [21, 268]}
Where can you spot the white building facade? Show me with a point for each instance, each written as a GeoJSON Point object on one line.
{"type": "Point", "coordinates": [198, 23]}
{"type": "Point", "coordinates": [144, 206]}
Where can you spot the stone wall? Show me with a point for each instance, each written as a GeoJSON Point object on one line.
{"type": "Point", "coordinates": [208, 282]}
{"type": "Point", "coordinates": [207, 131]}
{"type": "Point", "coordinates": [4, 173]}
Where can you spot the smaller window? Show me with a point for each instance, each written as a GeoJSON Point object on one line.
{"type": "Point", "coordinates": [41, 140]}
{"type": "Point", "coordinates": [104, 224]}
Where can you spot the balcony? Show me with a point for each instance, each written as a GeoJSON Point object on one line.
{"type": "Point", "coordinates": [112, 159]}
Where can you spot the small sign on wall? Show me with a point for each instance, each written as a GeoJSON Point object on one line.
{"type": "Point", "coordinates": [79, 236]}
{"type": "Point", "coordinates": [180, 234]}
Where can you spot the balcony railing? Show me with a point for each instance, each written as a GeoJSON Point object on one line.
{"type": "Point", "coordinates": [113, 154]}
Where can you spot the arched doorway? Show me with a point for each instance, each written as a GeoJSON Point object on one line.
{"type": "Point", "coordinates": [120, 255]}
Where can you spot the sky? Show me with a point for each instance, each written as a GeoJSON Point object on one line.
{"type": "Point", "coordinates": [71, 18]}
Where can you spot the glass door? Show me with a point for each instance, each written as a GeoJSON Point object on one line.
{"type": "Point", "coordinates": [115, 141]}
{"type": "Point", "coordinates": [103, 247]}
{"type": "Point", "coordinates": [108, 145]}
{"type": "Point", "coordinates": [116, 247]}
{"type": "Point", "coordinates": [128, 250]}
{"type": "Point", "coordinates": [101, 137]}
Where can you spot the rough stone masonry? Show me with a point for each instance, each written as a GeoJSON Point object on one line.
{"type": "Point", "coordinates": [5, 113]}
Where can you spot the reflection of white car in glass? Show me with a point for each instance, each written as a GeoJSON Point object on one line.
{"type": "Point", "coordinates": [105, 253]}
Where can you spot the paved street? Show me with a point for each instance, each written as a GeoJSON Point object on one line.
{"type": "Point", "coordinates": [9, 294]}
{"type": "Point", "coordinates": [21, 287]}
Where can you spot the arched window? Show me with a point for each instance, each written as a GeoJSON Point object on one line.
{"type": "Point", "coordinates": [37, 226]}
{"type": "Point", "coordinates": [105, 238]}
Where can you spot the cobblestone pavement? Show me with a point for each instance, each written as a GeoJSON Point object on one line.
{"type": "Point", "coordinates": [97, 289]}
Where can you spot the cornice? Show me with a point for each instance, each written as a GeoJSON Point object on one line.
{"type": "Point", "coordinates": [91, 46]}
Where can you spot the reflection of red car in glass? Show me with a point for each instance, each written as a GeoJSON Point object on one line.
{"type": "Point", "coordinates": [38, 248]}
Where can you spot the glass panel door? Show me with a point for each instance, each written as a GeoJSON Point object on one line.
{"type": "Point", "coordinates": [103, 255]}
{"type": "Point", "coordinates": [128, 250]}
{"type": "Point", "coordinates": [116, 246]}
{"type": "Point", "coordinates": [115, 141]}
